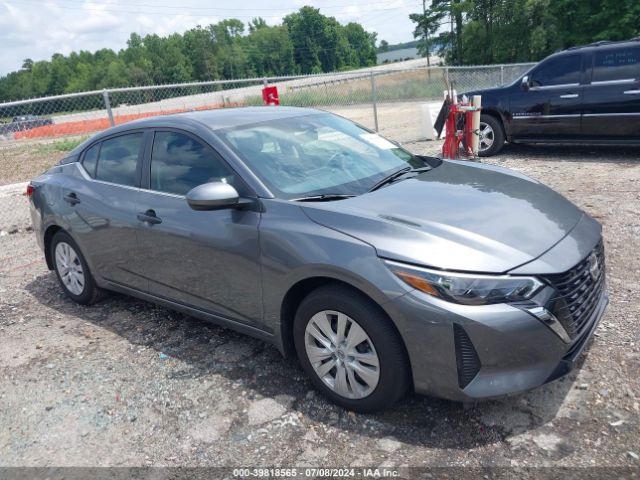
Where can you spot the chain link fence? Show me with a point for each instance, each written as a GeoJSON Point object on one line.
{"type": "Point", "coordinates": [35, 133]}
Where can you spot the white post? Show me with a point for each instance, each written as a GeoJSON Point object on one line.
{"type": "Point", "coordinates": [426, 123]}
{"type": "Point", "coordinates": [374, 99]}
{"type": "Point", "coordinates": [475, 124]}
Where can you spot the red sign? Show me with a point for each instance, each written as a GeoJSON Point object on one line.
{"type": "Point", "coordinates": [270, 96]}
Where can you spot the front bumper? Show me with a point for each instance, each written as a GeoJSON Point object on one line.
{"type": "Point", "coordinates": [515, 351]}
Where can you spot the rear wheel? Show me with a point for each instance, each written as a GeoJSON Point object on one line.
{"type": "Point", "coordinates": [350, 350]}
{"type": "Point", "coordinates": [72, 270]}
{"type": "Point", "coordinates": [491, 136]}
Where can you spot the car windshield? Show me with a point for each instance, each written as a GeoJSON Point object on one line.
{"type": "Point", "coordinates": [318, 154]}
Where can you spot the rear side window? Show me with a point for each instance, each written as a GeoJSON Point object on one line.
{"type": "Point", "coordinates": [558, 71]}
{"type": "Point", "coordinates": [620, 64]}
{"type": "Point", "coordinates": [118, 159]}
{"type": "Point", "coordinates": [180, 163]}
{"type": "Point", "coordinates": [90, 160]}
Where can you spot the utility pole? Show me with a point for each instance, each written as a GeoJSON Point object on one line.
{"type": "Point", "coordinates": [453, 38]}
{"type": "Point", "coordinates": [427, 48]}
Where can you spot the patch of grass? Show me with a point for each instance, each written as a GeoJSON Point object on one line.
{"type": "Point", "coordinates": [60, 146]}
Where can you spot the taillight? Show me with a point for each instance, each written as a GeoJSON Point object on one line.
{"type": "Point", "coordinates": [29, 191]}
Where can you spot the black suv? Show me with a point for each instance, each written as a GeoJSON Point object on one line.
{"type": "Point", "coordinates": [588, 94]}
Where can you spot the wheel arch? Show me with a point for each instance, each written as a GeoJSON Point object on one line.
{"type": "Point", "coordinates": [298, 291]}
{"type": "Point", "coordinates": [48, 237]}
{"type": "Point", "coordinates": [499, 117]}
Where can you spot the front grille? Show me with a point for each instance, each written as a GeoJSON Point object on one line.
{"type": "Point", "coordinates": [467, 359]}
{"type": "Point", "coordinates": [579, 290]}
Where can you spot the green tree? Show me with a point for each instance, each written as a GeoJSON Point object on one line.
{"type": "Point", "coordinates": [270, 51]}
{"type": "Point", "coordinates": [362, 45]}
{"type": "Point", "coordinates": [446, 18]}
{"type": "Point", "coordinates": [427, 24]}
{"type": "Point", "coordinates": [306, 30]}
{"type": "Point", "coordinates": [256, 24]}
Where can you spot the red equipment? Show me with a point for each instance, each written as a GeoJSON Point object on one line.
{"type": "Point", "coordinates": [270, 96]}
{"type": "Point", "coordinates": [459, 131]}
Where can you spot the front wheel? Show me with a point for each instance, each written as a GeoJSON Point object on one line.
{"type": "Point", "coordinates": [491, 136]}
{"type": "Point", "coordinates": [350, 350]}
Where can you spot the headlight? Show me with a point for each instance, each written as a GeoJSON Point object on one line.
{"type": "Point", "coordinates": [468, 289]}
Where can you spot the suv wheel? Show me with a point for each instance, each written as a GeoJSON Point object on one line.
{"type": "Point", "coordinates": [491, 136]}
{"type": "Point", "coordinates": [72, 270]}
{"type": "Point", "coordinates": [350, 350]}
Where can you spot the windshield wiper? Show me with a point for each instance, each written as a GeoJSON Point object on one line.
{"type": "Point", "coordinates": [396, 175]}
{"type": "Point", "coordinates": [327, 197]}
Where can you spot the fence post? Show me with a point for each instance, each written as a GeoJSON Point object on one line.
{"type": "Point", "coordinates": [107, 104]}
{"type": "Point", "coordinates": [446, 76]}
{"type": "Point", "coordinates": [374, 99]}
{"type": "Point", "coordinates": [501, 75]}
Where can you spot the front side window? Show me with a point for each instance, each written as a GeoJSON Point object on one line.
{"type": "Point", "coordinates": [180, 163]}
{"type": "Point", "coordinates": [558, 71]}
{"type": "Point", "coordinates": [620, 64]}
{"type": "Point", "coordinates": [316, 154]}
{"type": "Point", "coordinates": [118, 159]}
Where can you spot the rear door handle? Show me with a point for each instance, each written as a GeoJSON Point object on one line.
{"type": "Point", "coordinates": [632, 92]}
{"type": "Point", "coordinates": [71, 198]}
{"type": "Point", "coordinates": [149, 217]}
{"type": "Point", "coordinates": [570, 95]}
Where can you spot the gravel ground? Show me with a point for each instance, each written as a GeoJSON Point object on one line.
{"type": "Point", "coordinates": [22, 160]}
{"type": "Point", "coordinates": [125, 382]}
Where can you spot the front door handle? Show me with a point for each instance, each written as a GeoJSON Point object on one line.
{"type": "Point", "coordinates": [149, 217]}
{"type": "Point", "coordinates": [71, 198]}
{"type": "Point", "coordinates": [632, 92]}
{"type": "Point", "coordinates": [570, 95]}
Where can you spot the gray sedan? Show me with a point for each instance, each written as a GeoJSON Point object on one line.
{"type": "Point", "coordinates": [383, 271]}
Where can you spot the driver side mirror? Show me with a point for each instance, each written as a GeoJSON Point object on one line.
{"type": "Point", "coordinates": [525, 83]}
{"type": "Point", "coordinates": [214, 196]}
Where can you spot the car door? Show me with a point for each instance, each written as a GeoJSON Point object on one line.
{"type": "Point", "coordinates": [208, 260]}
{"type": "Point", "coordinates": [104, 207]}
{"type": "Point", "coordinates": [548, 106]}
{"type": "Point", "coordinates": [612, 98]}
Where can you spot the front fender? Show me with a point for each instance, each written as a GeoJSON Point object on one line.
{"type": "Point", "coordinates": [295, 249]}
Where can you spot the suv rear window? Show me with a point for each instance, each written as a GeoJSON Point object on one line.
{"type": "Point", "coordinates": [619, 64]}
{"type": "Point", "coordinates": [560, 70]}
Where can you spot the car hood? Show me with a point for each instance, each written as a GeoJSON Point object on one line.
{"type": "Point", "coordinates": [458, 216]}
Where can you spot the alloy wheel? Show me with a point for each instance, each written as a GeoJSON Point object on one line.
{"type": "Point", "coordinates": [487, 136]}
{"type": "Point", "coordinates": [69, 268]}
{"type": "Point", "coordinates": [342, 354]}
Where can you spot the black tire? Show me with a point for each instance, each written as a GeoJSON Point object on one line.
{"type": "Point", "coordinates": [498, 135]}
{"type": "Point", "coordinates": [394, 370]}
{"type": "Point", "coordinates": [90, 292]}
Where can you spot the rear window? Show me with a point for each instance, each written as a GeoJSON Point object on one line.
{"type": "Point", "coordinates": [619, 64]}
{"type": "Point", "coordinates": [90, 160]}
{"type": "Point", "coordinates": [118, 159]}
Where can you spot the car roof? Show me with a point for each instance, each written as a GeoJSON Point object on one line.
{"type": "Point", "coordinates": [605, 43]}
{"type": "Point", "coordinates": [215, 119]}
{"type": "Point", "coordinates": [220, 118]}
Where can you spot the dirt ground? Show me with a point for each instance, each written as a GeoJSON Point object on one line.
{"type": "Point", "coordinates": [127, 383]}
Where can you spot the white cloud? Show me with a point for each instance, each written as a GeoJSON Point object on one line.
{"type": "Point", "coordinates": [37, 30]}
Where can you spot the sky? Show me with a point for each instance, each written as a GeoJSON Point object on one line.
{"type": "Point", "coordinates": [37, 29]}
